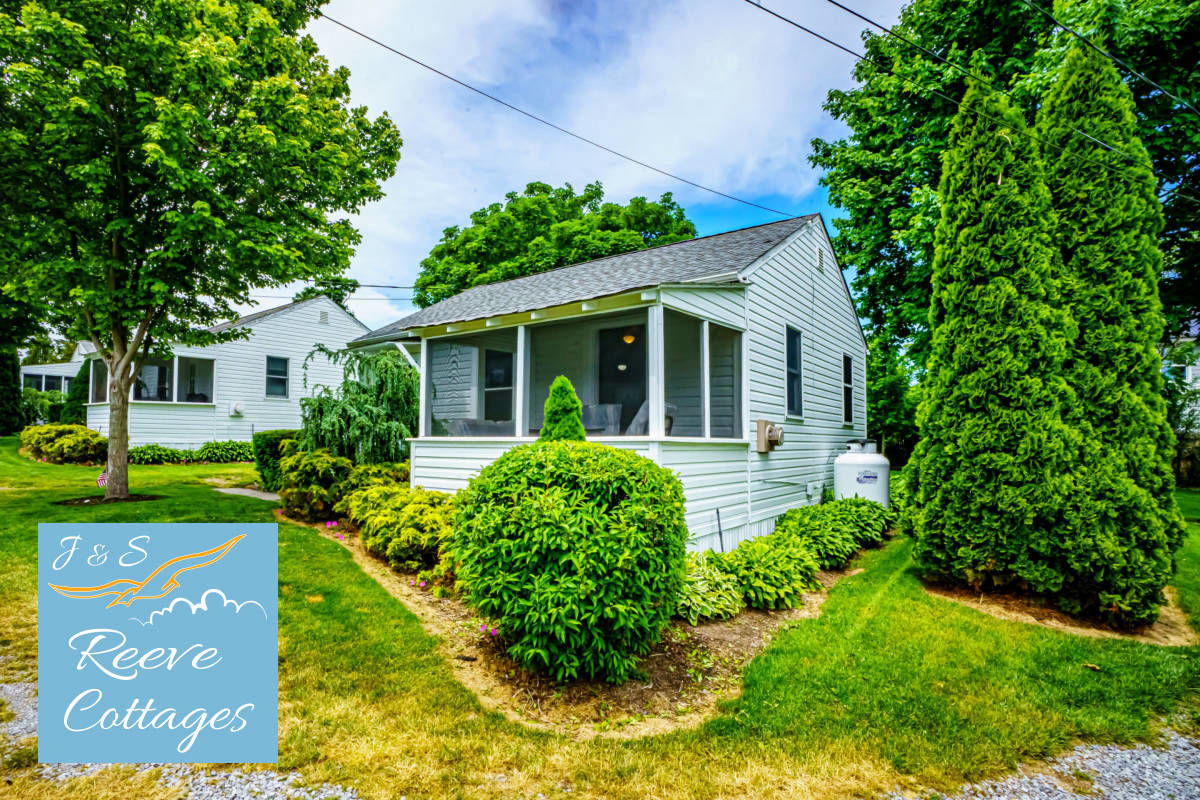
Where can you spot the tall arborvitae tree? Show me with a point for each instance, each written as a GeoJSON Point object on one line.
{"type": "Point", "coordinates": [10, 391]}
{"type": "Point", "coordinates": [993, 467]}
{"type": "Point", "coordinates": [1103, 190]}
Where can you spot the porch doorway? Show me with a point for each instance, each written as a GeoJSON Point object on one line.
{"type": "Point", "coordinates": [621, 357]}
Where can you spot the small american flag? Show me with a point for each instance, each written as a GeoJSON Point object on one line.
{"type": "Point", "coordinates": [102, 481]}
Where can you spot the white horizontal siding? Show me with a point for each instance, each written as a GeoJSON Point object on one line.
{"type": "Point", "coordinates": [240, 368]}
{"type": "Point", "coordinates": [726, 305]}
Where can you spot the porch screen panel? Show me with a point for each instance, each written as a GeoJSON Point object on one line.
{"type": "Point", "coordinates": [684, 390]}
{"type": "Point", "coordinates": [154, 380]}
{"type": "Point", "coordinates": [99, 381]}
{"type": "Point", "coordinates": [559, 349]}
{"type": "Point", "coordinates": [470, 384]}
{"type": "Point", "coordinates": [725, 381]}
{"type": "Point", "coordinates": [195, 380]}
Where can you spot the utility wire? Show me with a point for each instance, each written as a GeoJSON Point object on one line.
{"type": "Point", "coordinates": [933, 90]}
{"type": "Point", "coordinates": [1111, 57]}
{"type": "Point", "coordinates": [895, 35]}
{"type": "Point", "coordinates": [556, 127]}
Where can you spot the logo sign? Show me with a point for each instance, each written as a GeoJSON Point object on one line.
{"type": "Point", "coordinates": [868, 477]}
{"type": "Point", "coordinates": [157, 643]}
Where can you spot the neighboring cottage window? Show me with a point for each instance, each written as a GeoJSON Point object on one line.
{"type": "Point", "coordinates": [30, 381]}
{"type": "Point", "coordinates": [277, 376]}
{"type": "Point", "coordinates": [99, 393]}
{"type": "Point", "coordinates": [52, 383]}
{"type": "Point", "coordinates": [195, 380]}
{"type": "Point", "coordinates": [154, 381]}
{"type": "Point", "coordinates": [497, 385]}
{"type": "Point", "coordinates": [795, 387]}
{"type": "Point", "coordinates": [847, 389]}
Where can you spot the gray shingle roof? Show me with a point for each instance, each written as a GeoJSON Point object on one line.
{"type": "Point", "coordinates": [693, 260]}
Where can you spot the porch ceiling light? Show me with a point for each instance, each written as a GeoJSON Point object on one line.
{"type": "Point", "coordinates": [629, 337]}
{"type": "Point", "coordinates": [622, 367]}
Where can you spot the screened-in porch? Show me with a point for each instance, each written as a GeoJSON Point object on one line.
{"type": "Point", "coordinates": [650, 372]}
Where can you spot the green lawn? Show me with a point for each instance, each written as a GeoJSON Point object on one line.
{"type": "Point", "coordinates": [889, 685]}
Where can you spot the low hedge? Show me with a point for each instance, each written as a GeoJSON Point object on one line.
{"type": "Point", "coordinates": [266, 448]}
{"type": "Point", "coordinates": [409, 528]}
{"type": "Point", "coordinates": [576, 550]}
{"type": "Point", "coordinates": [836, 530]}
{"type": "Point", "coordinates": [708, 592]}
{"type": "Point", "coordinates": [157, 454]}
{"type": "Point", "coordinates": [311, 481]}
{"type": "Point", "coordinates": [225, 452]}
{"type": "Point", "coordinates": [65, 444]}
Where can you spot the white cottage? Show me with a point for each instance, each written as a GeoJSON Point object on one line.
{"type": "Point", "coordinates": [232, 389]}
{"type": "Point", "coordinates": [56, 377]}
{"type": "Point", "coordinates": [683, 352]}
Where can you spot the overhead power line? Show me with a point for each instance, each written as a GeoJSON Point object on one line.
{"type": "Point", "coordinates": [935, 91]}
{"type": "Point", "coordinates": [553, 125]}
{"type": "Point", "coordinates": [1119, 62]}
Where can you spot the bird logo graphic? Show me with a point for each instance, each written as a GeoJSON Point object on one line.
{"type": "Point", "coordinates": [159, 583]}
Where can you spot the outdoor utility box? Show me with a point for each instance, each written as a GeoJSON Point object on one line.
{"type": "Point", "coordinates": [770, 436]}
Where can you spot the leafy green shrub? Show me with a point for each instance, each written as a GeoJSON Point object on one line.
{"type": "Point", "coordinates": [563, 415]}
{"type": "Point", "coordinates": [65, 444]}
{"type": "Point", "coordinates": [834, 531]}
{"type": "Point", "coordinates": [226, 452]}
{"type": "Point", "coordinates": [311, 483]}
{"type": "Point", "coordinates": [365, 475]}
{"type": "Point", "coordinates": [371, 415]}
{"type": "Point", "coordinates": [41, 408]}
{"type": "Point", "coordinates": [577, 550]}
{"type": "Point", "coordinates": [74, 409]}
{"type": "Point", "coordinates": [265, 445]}
{"type": "Point", "coordinates": [157, 454]}
{"type": "Point", "coordinates": [11, 417]}
{"type": "Point", "coordinates": [409, 528]}
{"type": "Point", "coordinates": [773, 571]}
{"type": "Point", "coordinates": [707, 592]}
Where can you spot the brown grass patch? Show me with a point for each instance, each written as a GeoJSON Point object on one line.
{"type": "Point", "coordinates": [683, 679]}
{"type": "Point", "coordinates": [1171, 629]}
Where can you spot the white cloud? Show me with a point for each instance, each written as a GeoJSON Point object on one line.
{"type": "Point", "coordinates": [713, 90]}
{"type": "Point", "coordinates": [201, 605]}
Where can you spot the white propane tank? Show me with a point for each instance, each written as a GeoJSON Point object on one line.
{"type": "Point", "coordinates": [861, 472]}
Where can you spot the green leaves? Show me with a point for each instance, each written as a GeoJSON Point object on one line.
{"type": "Point", "coordinates": [563, 418]}
{"type": "Point", "coordinates": [576, 550]}
{"type": "Point", "coordinates": [541, 229]}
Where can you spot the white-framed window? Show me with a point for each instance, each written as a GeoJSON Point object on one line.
{"type": "Point", "coordinates": [794, 347]}
{"type": "Point", "coordinates": [847, 389]}
{"type": "Point", "coordinates": [155, 381]}
{"type": "Point", "coordinates": [497, 385]}
{"type": "Point", "coordinates": [277, 376]}
{"type": "Point", "coordinates": [52, 383]}
{"type": "Point", "coordinates": [196, 380]}
{"type": "Point", "coordinates": [31, 381]}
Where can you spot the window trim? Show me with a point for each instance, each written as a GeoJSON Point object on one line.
{"type": "Point", "coordinates": [179, 383]}
{"type": "Point", "coordinates": [511, 388]}
{"type": "Point", "coordinates": [174, 389]}
{"type": "Point", "coordinates": [847, 389]}
{"type": "Point", "coordinates": [788, 412]}
{"type": "Point", "coordinates": [286, 376]}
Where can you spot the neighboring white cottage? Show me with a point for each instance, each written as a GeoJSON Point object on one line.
{"type": "Point", "coordinates": [56, 377]}
{"type": "Point", "coordinates": [681, 352]}
{"type": "Point", "coordinates": [232, 389]}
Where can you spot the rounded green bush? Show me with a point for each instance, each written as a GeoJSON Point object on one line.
{"type": "Point", "coordinates": [225, 452]}
{"type": "Point", "coordinates": [773, 571]}
{"type": "Point", "coordinates": [407, 527]}
{"type": "Point", "coordinates": [266, 447]}
{"type": "Point", "coordinates": [65, 444]}
{"type": "Point", "coordinates": [311, 483]}
{"type": "Point", "coordinates": [576, 549]}
{"type": "Point", "coordinates": [708, 592]}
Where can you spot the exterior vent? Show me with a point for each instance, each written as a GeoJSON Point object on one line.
{"type": "Point", "coordinates": [820, 260]}
{"type": "Point", "coordinates": [324, 319]}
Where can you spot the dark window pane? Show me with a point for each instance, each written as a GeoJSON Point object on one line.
{"type": "Point", "coordinates": [99, 381]}
{"type": "Point", "coordinates": [848, 403]}
{"type": "Point", "coordinates": [497, 369]}
{"type": "Point", "coordinates": [277, 366]}
{"type": "Point", "coordinates": [31, 382]}
{"type": "Point", "coordinates": [622, 372]}
{"type": "Point", "coordinates": [847, 370]}
{"type": "Point", "coordinates": [497, 405]}
{"type": "Point", "coordinates": [795, 401]}
{"type": "Point", "coordinates": [53, 383]}
{"type": "Point", "coordinates": [277, 387]}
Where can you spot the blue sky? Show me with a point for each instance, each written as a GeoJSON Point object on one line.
{"type": "Point", "coordinates": [713, 90]}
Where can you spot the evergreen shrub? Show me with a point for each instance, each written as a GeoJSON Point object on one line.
{"type": "Point", "coordinates": [409, 528]}
{"type": "Point", "coordinates": [266, 447]}
{"type": "Point", "coordinates": [74, 409]}
{"type": "Point", "coordinates": [311, 483]}
{"type": "Point", "coordinates": [576, 550]}
{"type": "Point", "coordinates": [563, 416]}
{"type": "Point", "coordinates": [65, 444]}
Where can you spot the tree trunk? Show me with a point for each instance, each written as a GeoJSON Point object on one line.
{"type": "Point", "coordinates": [118, 438]}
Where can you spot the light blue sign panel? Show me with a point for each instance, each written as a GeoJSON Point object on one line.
{"type": "Point", "coordinates": [157, 643]}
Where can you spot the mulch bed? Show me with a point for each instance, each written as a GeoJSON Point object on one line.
{"type": "Point", "coordinates": [680, 683]}
{"type": "Point", "coordinates": [99, 500]}
{"type": "Point", "coordinates": [1172, 628]}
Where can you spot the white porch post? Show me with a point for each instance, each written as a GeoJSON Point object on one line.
{"type": "Point", "coordinates": [520, 407]}
{"type": "Point", "coordinates": [423, 422]}
{"type": "Point", "coordinates": [705, 378]}
{"type": "Point", "coordinates": [656, 372]}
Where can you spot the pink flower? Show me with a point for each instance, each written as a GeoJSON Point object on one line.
{"type": "Point", "coordinates": [341, 537]}
{"type": "Point", "coordinates": [483, 628]}
{"type": "Point", "coordinates": [333, 524]}
{"type": "Point", "coordinates": [493, 631]}
{"type": "Point", "coordinates": [422, 584]}
{"type": "Point", "coordinates": [412, 583]}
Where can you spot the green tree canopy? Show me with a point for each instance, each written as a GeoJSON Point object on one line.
{"type": "Point", "coordinates": [543, 228]}
{"type": "Point", "coordinates": [885, 173]}
{"type": "Point", "coordinates": [1107, 233]}
{"type": "Point", "coordinates": [162, 158]}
